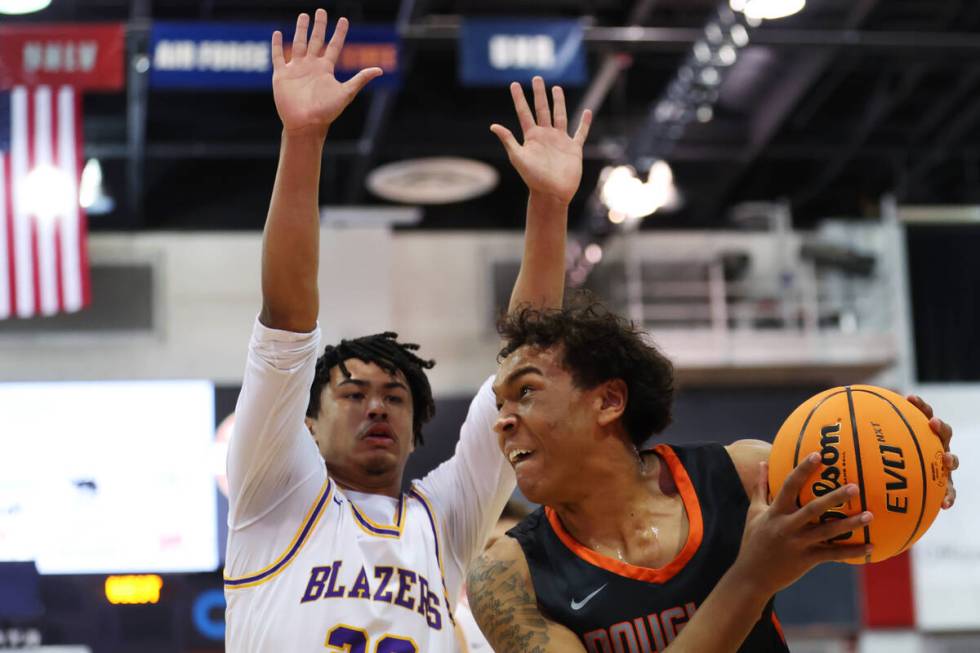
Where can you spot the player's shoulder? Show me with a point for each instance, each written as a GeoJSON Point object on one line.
{"type": "Point", "coordinates": [503, 564]}
{"type": "Point", "coordinates": [746, 456]}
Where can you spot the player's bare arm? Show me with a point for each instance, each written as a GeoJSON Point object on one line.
{"type": "Point", "coordinates": [308, 100]}
{"type": "Point", "coordinates": [550, 162]}
{"type": "Point", "coordinates": [502, 599]}
{"type": "Point", "coordinates": [780, 544]}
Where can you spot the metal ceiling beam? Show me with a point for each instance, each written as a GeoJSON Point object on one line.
{"type": "Point", "coordinates": [594, 151]}
{"type": "Point", "coordinates": [954, 131]}
{"type": "Point", "coordinates": [613, 63]}
{"type": "Point", "coordinates": [137, 89]}
{"type": "Point", "coordinates": [379, 111]}
{"type": "Point", "coordinates": [885, 99]}
{"type": "Point", "coordinates": [679, 39]}
{"type": "Point", "coordinates": [777, 109]}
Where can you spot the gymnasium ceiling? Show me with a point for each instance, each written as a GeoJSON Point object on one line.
{"type": "Point", "coordinates": [870, 96]}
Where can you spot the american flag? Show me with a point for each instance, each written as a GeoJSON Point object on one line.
{"type": "Point", "coordinates": [43, 254]}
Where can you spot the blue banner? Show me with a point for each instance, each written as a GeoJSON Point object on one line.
{"type": "Point", "coordinates": [497, 52]}
{"type": "Point", "coordinates": [222, 56]}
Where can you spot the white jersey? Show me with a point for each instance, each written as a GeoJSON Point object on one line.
{"type": "Point", "coordinates": [313, 567]}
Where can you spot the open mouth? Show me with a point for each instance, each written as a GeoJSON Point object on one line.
{"type": "Point", "coordinates": [518, 456]}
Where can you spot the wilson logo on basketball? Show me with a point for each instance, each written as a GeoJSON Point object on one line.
{"type": "Point", "coordinates": [830, 477]}
{"type": "Point", "coordinates": [878, 440]}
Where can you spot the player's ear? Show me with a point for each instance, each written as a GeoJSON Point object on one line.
{"type": "Point", "coordinates": [611, 400]}
{"type": "Point", "coordinates": [310, 426]}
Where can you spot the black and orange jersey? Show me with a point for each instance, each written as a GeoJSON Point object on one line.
{"type": "Point", "coordinates": [614, 606]}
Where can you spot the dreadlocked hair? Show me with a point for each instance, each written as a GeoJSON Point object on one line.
{"type": "Point", "coordinates": [384, 350]}
{"type": "Point", "coordinates": [597, 346]}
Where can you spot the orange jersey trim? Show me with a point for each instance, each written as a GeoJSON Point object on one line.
{"type": "Point", "coordinates": [779, 626]}
{"type": "Point", "coordinates": [695, 531]}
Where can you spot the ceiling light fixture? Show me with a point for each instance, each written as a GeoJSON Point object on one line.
{"type": "Point", "coordinates": [16, 7]}
{"type": "Point", "coordinates": [767, 9]}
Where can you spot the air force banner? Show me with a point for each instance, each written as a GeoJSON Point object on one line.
{"type": "Point", "coordinates": [218, 56]}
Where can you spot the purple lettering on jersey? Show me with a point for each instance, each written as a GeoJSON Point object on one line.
{"type": "Point", "coordinates": [406, 580]}
{"type": "Point", "coordinates": [432, 615]}
{"type": "Point", "coordinates": [423, 595]}
{"type": "Point", "coordinates": [361, 589]}
{"type": "Point", "coordinates": [318, 577]}
{"type": "Point", "coordinates": [384, 573]}
{"type": "Point", "coordinates": [333, 590]}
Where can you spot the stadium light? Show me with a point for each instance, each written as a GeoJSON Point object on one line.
{"type": "Point", "coordinates": [629, 197]}
{"type": "Point", "coordinates": [767, 9]}
{"type": "Point", "coordinates": [47, 193]}
{"type": "Point", "coordinates": [16, 7]}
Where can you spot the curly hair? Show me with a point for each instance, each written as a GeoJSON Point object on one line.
{"type": "Point", "coordinates": [598, 346]}
{"type": "Point", "coordinates": [384, 350]}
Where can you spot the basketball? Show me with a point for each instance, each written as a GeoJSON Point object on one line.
{"type": "Point", "coordinates": [873, 438]}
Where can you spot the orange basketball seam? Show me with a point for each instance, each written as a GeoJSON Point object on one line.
{"type": "Point", "coordinates": [860, 467]}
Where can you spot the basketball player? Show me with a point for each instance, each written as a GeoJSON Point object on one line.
{"type": "Point", "coordinates": [334, 555]}
{"type": "Point", "coordinates": [636, 548]}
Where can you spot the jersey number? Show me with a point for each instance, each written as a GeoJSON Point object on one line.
{"type": "Point", "coordinates": [354, 640]}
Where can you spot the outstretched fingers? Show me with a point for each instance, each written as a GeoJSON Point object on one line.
{"type": "Point", "coordinates": [332, 53]}
{"type": "Point", "coordinates": [315, 46]}
{"type": "Point", "coordinates": [506, 138]}
{"type": "Point", "coordinates": [524, 115]}
{"type": "Point", "coordinates": [582, 132]}
{"type": "Point", "coordinates": [360, 80]}
{"type": "Point", "coordinates": [541, 101]}
{"type": "Point", "coordinates": [278, 58]}
{"type": "Point", "coordinates": [560, 112]}
{"type": "Point", "coordinates": [299, 37]}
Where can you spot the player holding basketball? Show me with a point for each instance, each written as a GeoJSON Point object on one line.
{"type": "Point", "coordinates": [636, 549]}
{"type": "Point", "coordinates": [335, 555]}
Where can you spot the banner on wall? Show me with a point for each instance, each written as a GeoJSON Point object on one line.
{"type": "Point", "coordinates": [230, 56]}
{"type": "Point", "coordinates": [498, 52]}
{"type": "Point", "coordinates": [946, 561]}
{"type": "Point", "coordinates": [87, 57]}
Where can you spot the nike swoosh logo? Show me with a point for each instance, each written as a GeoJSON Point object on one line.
{"type": "Point", "coordinates": [578, 605]}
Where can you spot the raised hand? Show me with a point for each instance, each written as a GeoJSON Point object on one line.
{"type": "Point", "coordinates": [549, 161]}
{"type": "Point", "coordinates": [308, 96]}
{"type": "Point", "coordinates": [781, 543]}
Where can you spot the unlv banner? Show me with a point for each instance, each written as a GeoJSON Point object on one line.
{"type": "Point", "coordinates": [498, 52]}
{"type": "Point", "coordinates": [87, 57]}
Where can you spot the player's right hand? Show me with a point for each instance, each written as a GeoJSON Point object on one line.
{"type": "Point", "coordinates": [308, 96]}
{"type": "Point", "coordinates": [781, 542]}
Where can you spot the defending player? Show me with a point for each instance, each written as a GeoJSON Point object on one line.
{"type": "Point", "coordinates": [335, 555]}
{"type": "Point", "coordinates": [632, 542]}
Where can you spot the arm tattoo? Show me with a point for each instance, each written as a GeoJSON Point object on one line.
{"type": "Point", "coordinates": [505, 611]}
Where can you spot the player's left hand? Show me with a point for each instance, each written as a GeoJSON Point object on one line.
{"type": "Point", "coordinates": [549, 161]}
{"type": "Point", "coordinates": [945, 432]}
